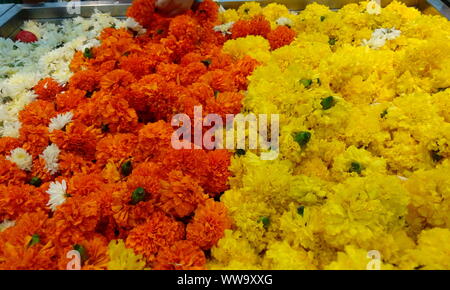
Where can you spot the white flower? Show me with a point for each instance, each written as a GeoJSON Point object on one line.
{"type": "Point", "coordinates": [402, 178]}
{"type": "Point", "coordinates": [135, 26]}
{"type": "Point", "coordinates": [21, 158]}
{"type": "Point", "coordinates": [380, 36]}
{"type": "Point", "coordinates": [6, 224]}
{"type": "Point", "coordinates": [373, 8]}
{"type": "Point", "coordinates": [50, 155]}
{"type": "Point", "coordinates": [284, 21]}
{"type": "Point", "coordinates": [11, 129]}
{"type": "Point", "coordinates": [60, 121]}
{"type": "Point", "coordinates": [224, 28]}
{"type": "Point", "coordinates": [57, 192]}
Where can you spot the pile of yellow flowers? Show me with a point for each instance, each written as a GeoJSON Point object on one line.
{"type": "Point", "coordinates": [364, 143]}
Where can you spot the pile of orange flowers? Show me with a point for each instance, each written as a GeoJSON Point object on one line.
{"type": "Point", "coordinates": [123, 178]}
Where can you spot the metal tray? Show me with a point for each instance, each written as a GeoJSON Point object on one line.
{"type": "Point", "coordinates": [12, 16]}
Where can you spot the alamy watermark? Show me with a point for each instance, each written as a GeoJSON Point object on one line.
{"type": "Point", "coordinates": [212, 132]}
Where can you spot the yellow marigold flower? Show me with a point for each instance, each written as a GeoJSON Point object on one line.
{"type": "Point", "coordinates": [432, 252]}
{"type": "Point", "coordinates": [228, 15]}
{"type": "Point", "coordinates": [281, 256]}
{"type": "Point", "coordinates": [356, 259]}
{"type": "Point", "coordinates": [122, 258]}
{"type": "Point", "coordinates": [249, 9]}
{"type": "Point", "coordinates": [254, 46]}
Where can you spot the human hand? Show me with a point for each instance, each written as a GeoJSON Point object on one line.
{"type": "Point", "coordinates": [173, 7]}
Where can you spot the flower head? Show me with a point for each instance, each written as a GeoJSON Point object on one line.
{"type": "Point", "coordinates": [57, 192]}
{"type": "Point", "coordinates": [60, 121]}
{"type": "Point", "coordinates": [373, 8]}
{"type": "Point", "coordinates": [50, 155]}
{"type": "Point", "coordinates": [21, 158]}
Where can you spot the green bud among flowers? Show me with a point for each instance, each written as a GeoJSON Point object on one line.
{"type": "Point", "coordinates": [138, 195]}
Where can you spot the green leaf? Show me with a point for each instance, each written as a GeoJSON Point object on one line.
{"type": "Point", "coordinates": [88, 53]}
{"type": "Point", "coordinates": [332, 41]}
{"type": "Point", "coordinates": [306, 83]}
{"type": "Point", "coordinates": [35, 239]}
{"type": "Point", "coordinates": [138, 195]}
{"type": "Point", "coordinates": [302, 138]}
{"type": "Point", "coordinates": [356, 167]}
{"type": "Point", "coordinates": [328, 102]}
{"type": "Point", "coordinates": [206, 62]}
{"type": "Point", "coordinates": [301, 210]}
{"type": "Point", "coordinates": [126, 168]}
{"type": "Point", "coordinates": [265, 221]}
{"type": "Point", "coordinates": [36, 181]}
{"type": "Point", "coordinates": [83, 252]}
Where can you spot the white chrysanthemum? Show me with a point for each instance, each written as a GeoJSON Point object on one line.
{"type": "Point", "coordinates": [373, 8]}
{"type": "Point", "coordinates": [6, 224]}
{"type": "Point", "coordinates": [224, 28]}
{"type": "Point", "coordinates": [57, 192]}
{"type": "Point", "coordinates": [135, 26]}
{"type": "Point", "coordinates": [21, 158]}
{"type": "Point", "coordinates": [60, 121]}
{"type": "Point", "coordinates": [50, 156]}
{"type": "Point", "coordinates": [11, 129]}
{"type": "Point", "coordinates": [380, 36]}
{"type": "Point", "coordinates": [284, 21]}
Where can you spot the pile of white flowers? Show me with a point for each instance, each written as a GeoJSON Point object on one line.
{"type": "Point", "coordinates": [22, 65]}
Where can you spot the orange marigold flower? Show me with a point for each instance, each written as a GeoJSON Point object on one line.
{"type": "Point", "coordinates": [78, 62]}
{"type": "Point", "coordinates": [39, 170]}
{"type": "Point", "coordinates": [47, 89]}
{"type": "Point", "coordinates": [70, 164]}
{"type": "Point", "coordinates": [191, 73]}
{"type": "Point", "coordinates": [207, 11]}
{"type": "Point", "coordinates": [225, 103]}
{"type": "Point", "coordinates": [37, 113]}
{"type": "Point", "coordinates": [244, 68]}
{"type": "Point", "coordinates": [218, 172]}
{"type": "Point", "coordinates": [77, 138]}
{"type": "Point", "coordinates": [70, 99]}
{"type": "Point", "coordinates": [17, 200]}
{"type": "Point", "coordinates": [17, 253]}
{"type": "Point", "coordinates": [142, 11]}
{"type": "Point", "coordinates": [185, 27]}
{"type": "Point", "coordinates": [182, 255]}
{"type": "Point", "coordinates": [126, 213]}
{"type": "Point", "coordinates": [219, 80]}
{"type": "Point", "coordinates": [7, 144]}
{"type": "Point", "coordinates": [160, 231]}
{"type": "Point", "coordinates": [86, 80]}
{"type": "Point", "coordinates": [115, 148]}
{"type": "Point", "coordinates": [153, 140]}
{"type": "Point", "coordinates": [146, 175]}
{"type": "Point", "coordinates": [73, 219]}
{"type": "Point", "coordinates": [208, 225]}
{"type": "Point", "coordinates": [180, 194]}
{"type": "Point", "coordinates": [280, 36]}
{"type": "Point", "coordinates": [258, 25]}
{"type": "Point", "coordinates": [34, 138]}
{"type": "Point", "coordinates": [85, 184]}
{"type": "Point", "coordinates": [110, 112]}
{"type": "Point", "coordinates": [10, 174]}
{"type": "Point", "coordinates": [138, 65]}
{"type": "Point", "coordinates": [115, 80]}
